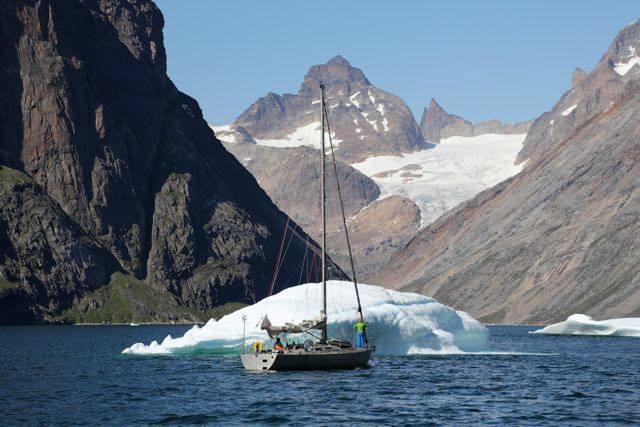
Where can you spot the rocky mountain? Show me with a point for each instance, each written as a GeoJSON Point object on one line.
{"type": "Point", "coordinates": [365, 119]}
{"type": "Point", "coordinates": [291, 176]}
{"type": "Point", "coordinates": [109, 169]}
{"type": "Point", "coordinates": [590, 95]}
{"type": "Point", "coordinates": [563, 235]}
{"type": "Point", "coordinates": [277, 140]}
{"type": "Point", "coordinates": [393, 182]}
{"type": "Point", "coordinates": [437, 124]}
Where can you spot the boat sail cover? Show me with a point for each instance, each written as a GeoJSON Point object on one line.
{"type": "Point", "coordinates": [293, 328]}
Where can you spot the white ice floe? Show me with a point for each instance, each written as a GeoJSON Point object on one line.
{"type": "Point", "coordinates": [569, 110]}
{"type": "Point", "coordinates": [579, 324]}
{"type": "Point", "coordinates": [308, 135]}
{"type": "Point", "coordinates": [455, 170]}
{"type": "Point", "coordinates": [399, 322]}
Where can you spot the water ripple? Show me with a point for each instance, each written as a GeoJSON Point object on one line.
{"type": "Point", "coordinates": [50, 378]}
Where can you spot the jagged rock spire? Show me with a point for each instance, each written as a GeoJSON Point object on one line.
{"type": "Point", "coordinates": [579, 75]}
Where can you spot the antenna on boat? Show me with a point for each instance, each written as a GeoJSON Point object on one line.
{"type": "Point", "coordinates": [323, 338]}
{"type": "Point", "coordinates": [244, 327]}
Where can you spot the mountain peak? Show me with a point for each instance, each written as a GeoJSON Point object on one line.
{"type": "Point", "coordinates": [434, 106]}
{"type": "Point", "coordinates": [337, 72]}
{"type": "Point", "coordinates": [339, 59]}
{"type": "Point", "coordinates": [579, 75]}
{"type": "Point", "coordinates": [436, 123]}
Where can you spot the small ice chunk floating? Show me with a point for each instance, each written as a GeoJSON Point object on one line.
{"type": "Point", "coordinates": [579, 324]}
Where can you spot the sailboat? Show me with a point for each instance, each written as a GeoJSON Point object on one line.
{"type": "Point", "coordinates": [323, 353]}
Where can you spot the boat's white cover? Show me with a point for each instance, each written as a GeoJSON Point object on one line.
{"type": "Point", "coordinates": [292, 328]}
{"type": "Point", "coordinates": [398, 322]}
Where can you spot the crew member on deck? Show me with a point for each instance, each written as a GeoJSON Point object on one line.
{"type": "Point", "coordinates": [360, 328]}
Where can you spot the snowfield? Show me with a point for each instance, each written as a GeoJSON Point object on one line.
{"type": "Point", "coordinates": [400, 323]}
{"type": "Point", "coordinates": [455, 170]}
{"type": "Point", "coordinates": [308, 135]}
{"type": "Point", "coordinates": [579, 324]}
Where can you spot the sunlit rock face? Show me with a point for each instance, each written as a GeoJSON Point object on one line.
{"type": "Point", "coordinates": [561, 236]}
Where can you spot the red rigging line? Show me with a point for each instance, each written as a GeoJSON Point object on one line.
{"type": "Point", "coordinates": [276, 267]}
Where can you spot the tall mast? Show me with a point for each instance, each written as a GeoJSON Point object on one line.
{"type": "Point", "coordinates": [344, 218]}
{"type": "Point", "coordinates": [324, 215]}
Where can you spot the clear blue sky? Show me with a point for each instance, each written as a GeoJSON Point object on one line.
{"type": "Point", "coordinates": [509, 60]}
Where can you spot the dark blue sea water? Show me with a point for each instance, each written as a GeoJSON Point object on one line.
{"type": "Point", "coordinates": [76, 375]}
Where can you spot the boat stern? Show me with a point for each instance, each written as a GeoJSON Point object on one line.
{"type": "Point", "coordinates": [258, 361]}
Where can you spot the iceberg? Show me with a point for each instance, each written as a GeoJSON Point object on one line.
{"type": "Point", "coordinates": [579, 324]}
{"type": "Point", "coordinates": [400, 323]}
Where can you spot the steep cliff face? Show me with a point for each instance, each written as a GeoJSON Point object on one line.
{"type": "Point", "coordinates": [561, 237]}
{"type": "Point", "coordinates": [437, 124]}
{"type": "Point", "coordinates": [46, 258]}
{"type": "Point", "coordinates": [88, 112]}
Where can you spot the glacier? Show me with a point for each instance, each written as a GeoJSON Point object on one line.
{"type": "Point", "coordinates": [400, 323]}
{"type": "Point", "coordinates": [448, 173]}
{"type": "Point", "coordinates": [580, 324]}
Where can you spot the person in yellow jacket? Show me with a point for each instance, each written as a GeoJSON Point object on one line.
{"type": "Point", "coordinates": [360, 328]}
{"type": "Point", "coordinates": [257, 346]}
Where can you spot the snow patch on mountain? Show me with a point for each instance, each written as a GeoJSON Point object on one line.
{"type": "Point", "coordinates": [569, 110]}
{"type": "Point", "coordinates": [224, 133]}
{"type": "Point", "coordinates": [579, 324]}
{"type": "Point", "coordinates": [455, 170]}
{"type": "Point", "coordinates": [221, 128]}
{"type": "Point", "coordinates": [399, 322]}
{"type": "Point", "coordinates": [308, 135]}
{"type": "Point", "coordinates": [353, 97]}
{"type": "Point", "coordinates": [623, 68]}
